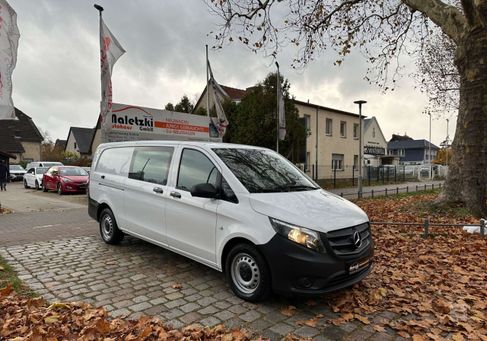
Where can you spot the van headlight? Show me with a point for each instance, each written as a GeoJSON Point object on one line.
{"type": "Point", "coordinates": [298, 234]}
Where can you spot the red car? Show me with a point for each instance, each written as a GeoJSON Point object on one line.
{"type": "Point", "coordinates": [65, 179]}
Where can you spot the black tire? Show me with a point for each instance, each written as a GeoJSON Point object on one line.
{"type": "Point", "coordinates": [37, 185]}
{"type": "Point", "coordinates": [59, 189]}
{"type": "Point", "coordinates": [109, 231]}
{"type": "Point", "coordinates": [247, 273]}
{"type": "Point", "coordinates": [25, 185]}
{"type": "Point", "coordinates": [44, 188]}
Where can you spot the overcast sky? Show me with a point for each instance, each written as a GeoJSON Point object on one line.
{"type": "Point", "coordinates": [57, 78]}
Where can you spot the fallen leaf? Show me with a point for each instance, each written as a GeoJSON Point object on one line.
{"type": "Point", "coordinates": [51, 319]}
{"type": "Point", "coordinates": [177, 286]}
{"type": "Point", "coordinates": [288, 311]}
{"type": "Point", "coordinates": [362, 319]}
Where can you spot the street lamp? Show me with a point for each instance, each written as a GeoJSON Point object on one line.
{"type": "Point", "coordinates": [360, 151]}
{"type": "Point", "coordinates": [429, 148]}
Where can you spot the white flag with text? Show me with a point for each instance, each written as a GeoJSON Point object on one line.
{"type": "Point", "coordinates": [220, 122]}
{"type": "Point", "coordinates": [9, 42]}
{"type": "Point", "coordinates": [110, 51]}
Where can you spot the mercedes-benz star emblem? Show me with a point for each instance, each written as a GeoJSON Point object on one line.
{"type": "Point", "coordinates": [357, 240]}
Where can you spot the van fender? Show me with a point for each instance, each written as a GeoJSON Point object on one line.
{"type": "Point", "coordinates": [234, 236]}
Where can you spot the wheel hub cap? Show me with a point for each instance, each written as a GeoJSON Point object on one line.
{"type": "Point", "coordinates": [245, 273]}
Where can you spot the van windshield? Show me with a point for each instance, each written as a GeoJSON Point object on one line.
{"type": "Point", "coordinates": [263, 171]}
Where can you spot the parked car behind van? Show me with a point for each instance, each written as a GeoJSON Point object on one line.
{"type": "Point", "coordinates": [42, 164]}
{"type": "Point", "coordinates": [33, 177]}
{"type": "Point", "coordinates": [65, 179]}
{"type": "Point", "coordinates": [16, 172]}
{"type": "Point", "coordinates": [246, 211]}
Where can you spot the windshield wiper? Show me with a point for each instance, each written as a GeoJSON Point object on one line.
{"type": "Point", "coordinates": [301, 188]}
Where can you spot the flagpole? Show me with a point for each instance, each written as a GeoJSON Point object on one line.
{"type": "Point", "coordinates": [277, 108]}
{"type": "Point", "coordinates": [207, 85]}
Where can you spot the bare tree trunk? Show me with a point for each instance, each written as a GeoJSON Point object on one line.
{"type": "Point", "coordinates": [467, 180]}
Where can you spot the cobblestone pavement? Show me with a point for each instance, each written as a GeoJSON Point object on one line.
{"type": "Point", "coordinates": [28, 227]}
{"type": "Point", "coordinates": [138, 278]}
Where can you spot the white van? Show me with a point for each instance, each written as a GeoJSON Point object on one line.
{"type": "Point", "coordinates": [243, 210]}
{"type": "Point", "coordinates": [47, 164]}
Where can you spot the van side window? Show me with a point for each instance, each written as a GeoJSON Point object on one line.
{"type": "Point", "coordinates": [114, 161]}
{"type": "Point", "coordinates": [195, 168]}
{"type": "Point", "coordinates": [151, 164]}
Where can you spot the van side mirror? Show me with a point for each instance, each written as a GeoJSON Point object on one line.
{"type": "Point", "coordinates": [204, 190]}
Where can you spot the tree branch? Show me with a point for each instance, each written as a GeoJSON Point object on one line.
{"type": "Point", "coordinates": [450, 19]}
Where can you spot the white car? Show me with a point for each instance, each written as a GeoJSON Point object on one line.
{"type": "Point", "coordinates": [243, 210]}
{"type": "Point", "coordinates": [33, 177]}
{"type": "Point", "coordinates": [16, 172]}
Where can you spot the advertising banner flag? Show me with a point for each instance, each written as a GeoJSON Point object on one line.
{"type": "Point", "coordinates": [280, 107]}
{"type": "Point", "coordinates": [110, 51]}
{"type": "Point", "coordinates": [9, 42]}
{"type": "Point", "coordinates": [220, 122]}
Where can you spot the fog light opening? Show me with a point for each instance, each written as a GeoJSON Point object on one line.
{"type": "Point", "coordinates": [305, 282]}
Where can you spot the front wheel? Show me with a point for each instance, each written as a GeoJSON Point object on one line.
{"type": "Point", "coordinates": [247, 273]}
{"type": "Point", "coordinates": [109, 231]}
{"type": "Point", "coordinates": [37, 185]}
{"type": "Point", "coordinates": [25, 184]}
{"type": "Point", "coordinates": [60, 189]}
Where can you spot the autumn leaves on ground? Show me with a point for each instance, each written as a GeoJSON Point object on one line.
{"type": "Point", "coordinates": [436, 287]}
{"type": "Point", "coordinates": [438, 284]}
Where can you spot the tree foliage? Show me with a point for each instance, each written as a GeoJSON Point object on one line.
{"type": "Point", "coordinates": [254, 120]}
{"type": "Point", "coordinates": [384, 31]}
{"type": "Point", "coordinates": [184, 105]}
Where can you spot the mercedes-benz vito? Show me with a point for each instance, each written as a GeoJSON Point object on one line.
{"type": "Point", "coordinates": [243, 210]}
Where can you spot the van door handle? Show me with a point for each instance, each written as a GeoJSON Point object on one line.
{"type": "Point", "coordinates": [103, 176]}
{"type": "Point", "coordinates": [176, 195]}
{"type": "Point", "coordinates": [158, 190]}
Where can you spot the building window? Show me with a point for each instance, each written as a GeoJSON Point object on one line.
{"type": "Point", "coordinates": [329, 127]}
{"type": "Point", "coordinates": [337, 161]}
{"type": "Point", "coordinates": [75, 146]}
{"type": "Point", "coordinates": [401, 152]}
{"type": "Point", "coordinates": [307, 124]}
{"type": "Point", "coordinates": [355, 161]}
{"type": "Point", "coordinates": [343, 129]}
{"type": "Point", "coordinates": [373, 132]}
{"type": "Point", "coordinates": [356, 132]}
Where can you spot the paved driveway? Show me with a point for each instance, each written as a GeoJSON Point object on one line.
{"type": "Point", "coordinates": [59, 254]}
{"type": "Point", "coordinates": [19, 199]}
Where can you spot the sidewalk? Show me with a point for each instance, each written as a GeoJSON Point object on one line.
{"type": "Point", "coordinates": [369, 191]}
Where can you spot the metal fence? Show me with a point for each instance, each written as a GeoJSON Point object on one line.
{"type": "Point", "coordinates": [348, 174]}
{"type": "Point", "coordinates": [426, 224]}
{"type": "Point", "coordinates": [390, 191]}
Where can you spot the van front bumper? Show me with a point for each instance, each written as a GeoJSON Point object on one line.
{"type": "Point", "coordinates": [296, 269]}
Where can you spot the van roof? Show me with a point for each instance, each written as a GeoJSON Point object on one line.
{"type": "Point", "coordinates": [207, 144]}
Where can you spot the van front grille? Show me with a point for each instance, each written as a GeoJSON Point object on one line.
{"type": "Point", "coordinates": [348, 241]}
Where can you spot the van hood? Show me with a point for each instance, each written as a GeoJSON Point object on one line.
{"type": "Point", "coordinates": [318, 210]}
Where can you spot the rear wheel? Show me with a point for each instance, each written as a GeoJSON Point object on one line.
{"type": "Point", "coordinates": [247, 273]}
{"type": "Point", "coordinates": [109, 231]}
{"type": "Point", "coordinates": [60, 189]}
{"type": "Point", "coordinates": [25, 184]}
{"type": "Point", "coordinates": [44, 188]}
